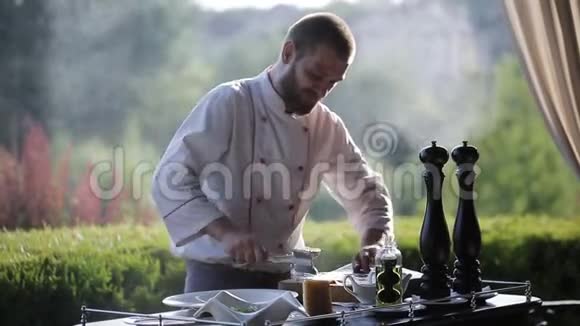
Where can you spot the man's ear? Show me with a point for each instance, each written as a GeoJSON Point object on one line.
{"type": "Point", "coordinates": [288, 52]}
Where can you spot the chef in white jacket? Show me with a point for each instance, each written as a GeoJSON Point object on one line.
{"type": "Point", "coordinates": [239, 175]}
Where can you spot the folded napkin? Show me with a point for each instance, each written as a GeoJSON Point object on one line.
{"type": "Point", "coordinates": [226, 307]}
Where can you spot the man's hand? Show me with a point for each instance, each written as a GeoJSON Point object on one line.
{"type": "Point", "coordinates": [364, 260]}
{"type": "Point", "coordinates": [372, 240]}
{"type": "Point", "coordinates": [240, 245]}
{"type": "Point", "coordinates": [243, 248]}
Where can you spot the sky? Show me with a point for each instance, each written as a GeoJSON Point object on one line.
{"type": "Point", "coordinates": [263, 4]}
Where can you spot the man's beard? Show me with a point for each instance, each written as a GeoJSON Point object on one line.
{"type": "Point", "coordinates": [292, 96]}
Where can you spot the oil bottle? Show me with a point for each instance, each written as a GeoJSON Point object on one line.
{"type": "Point", "coordinates": [389, 271]}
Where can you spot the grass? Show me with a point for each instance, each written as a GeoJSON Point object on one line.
{"type": "Point", "coordinates": [20, 244]}
{"type": "Point", "coordinates": [407, 229]}
{"type": "Point", "coordinates": [336, 236]}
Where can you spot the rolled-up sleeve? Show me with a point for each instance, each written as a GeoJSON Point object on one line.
{"type": "Point", "coordinates": [353, 183]}
{"type": "Point", "coordinates": [202, 139]}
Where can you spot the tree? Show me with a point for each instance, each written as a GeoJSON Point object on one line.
{"type": "Point", "coordinates": [97, 51]}
{"type": "Point", "coordinates": [522, 171]}
{"type": "Point", "coordinates": [23, 38]}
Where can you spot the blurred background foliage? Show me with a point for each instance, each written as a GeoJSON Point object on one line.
{"type": "Point", "coordinates": [93, 76]}
{"type": "Point", "coordinates": [102, 85]}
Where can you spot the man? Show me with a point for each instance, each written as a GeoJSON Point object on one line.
{"type": "Point", "coordinates": [239, 175]}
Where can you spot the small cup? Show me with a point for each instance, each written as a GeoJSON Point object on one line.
{"type": "Point", "coordinates": [317, 297]}
{"type": "Point", "coordinates": [363, 288]}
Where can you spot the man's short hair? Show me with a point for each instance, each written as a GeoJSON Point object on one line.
{"type": "Point", "coordinates": [322, 28]}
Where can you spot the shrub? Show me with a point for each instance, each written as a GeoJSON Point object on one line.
{"type": "Point", "coordinates": [34, 194]}
{"type": "Point", "coordinates": [46, 275]}
{"type": "Point", "coordinates": [543, 250]}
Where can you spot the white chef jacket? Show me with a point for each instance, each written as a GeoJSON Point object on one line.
{"type": "Point", "coordinates": [239, 154]}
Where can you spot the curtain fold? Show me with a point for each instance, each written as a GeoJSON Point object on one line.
{"type": "Point", "coordinates": [547, 33]}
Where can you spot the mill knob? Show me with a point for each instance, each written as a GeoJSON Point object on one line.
{"type": "Point", "coordinates": [434, 154]}
{"type": "Point", "coordinates": [463, 154]}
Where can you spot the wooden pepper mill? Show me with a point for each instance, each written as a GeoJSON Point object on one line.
{"type": "Point", "coordinates": [435, 243]}
{"type": "Point", "coordinates": [466, 231]}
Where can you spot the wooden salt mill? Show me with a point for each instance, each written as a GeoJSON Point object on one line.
{"type": "Point", "coordinates": [435, 243]}
{"type": "Point", "coordinates": [466, 231]}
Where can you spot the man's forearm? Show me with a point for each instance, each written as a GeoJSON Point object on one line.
{"type": "Point", "coordinates": [219, 228]}
{"type": "Point", "coordinates": [372, 237]}
{"type": "Point", "coordinates": [240, 245]}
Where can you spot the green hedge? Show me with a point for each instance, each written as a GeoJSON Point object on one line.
{"type": "Point", "coordinates": [45, 275]}
{"type": "Point", "coordinates": [544, 250]}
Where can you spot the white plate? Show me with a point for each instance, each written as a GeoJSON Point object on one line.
{"type": "Point", "coordinates": [154, 319]}
{"type": "Point", "coordinates": [198, 299]}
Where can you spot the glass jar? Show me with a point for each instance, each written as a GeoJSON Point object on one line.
{"type": "Point", "coordinates": [389, 272]}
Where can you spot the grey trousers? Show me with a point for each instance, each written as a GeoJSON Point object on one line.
{"type": "Point", "coordinates": [207, 277]}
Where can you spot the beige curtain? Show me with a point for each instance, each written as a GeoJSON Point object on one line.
{"type": "Point", "coordinates": [547, 33]}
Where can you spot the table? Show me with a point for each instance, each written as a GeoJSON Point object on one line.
{"type": "Point", "coordinates": [503, 309]}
